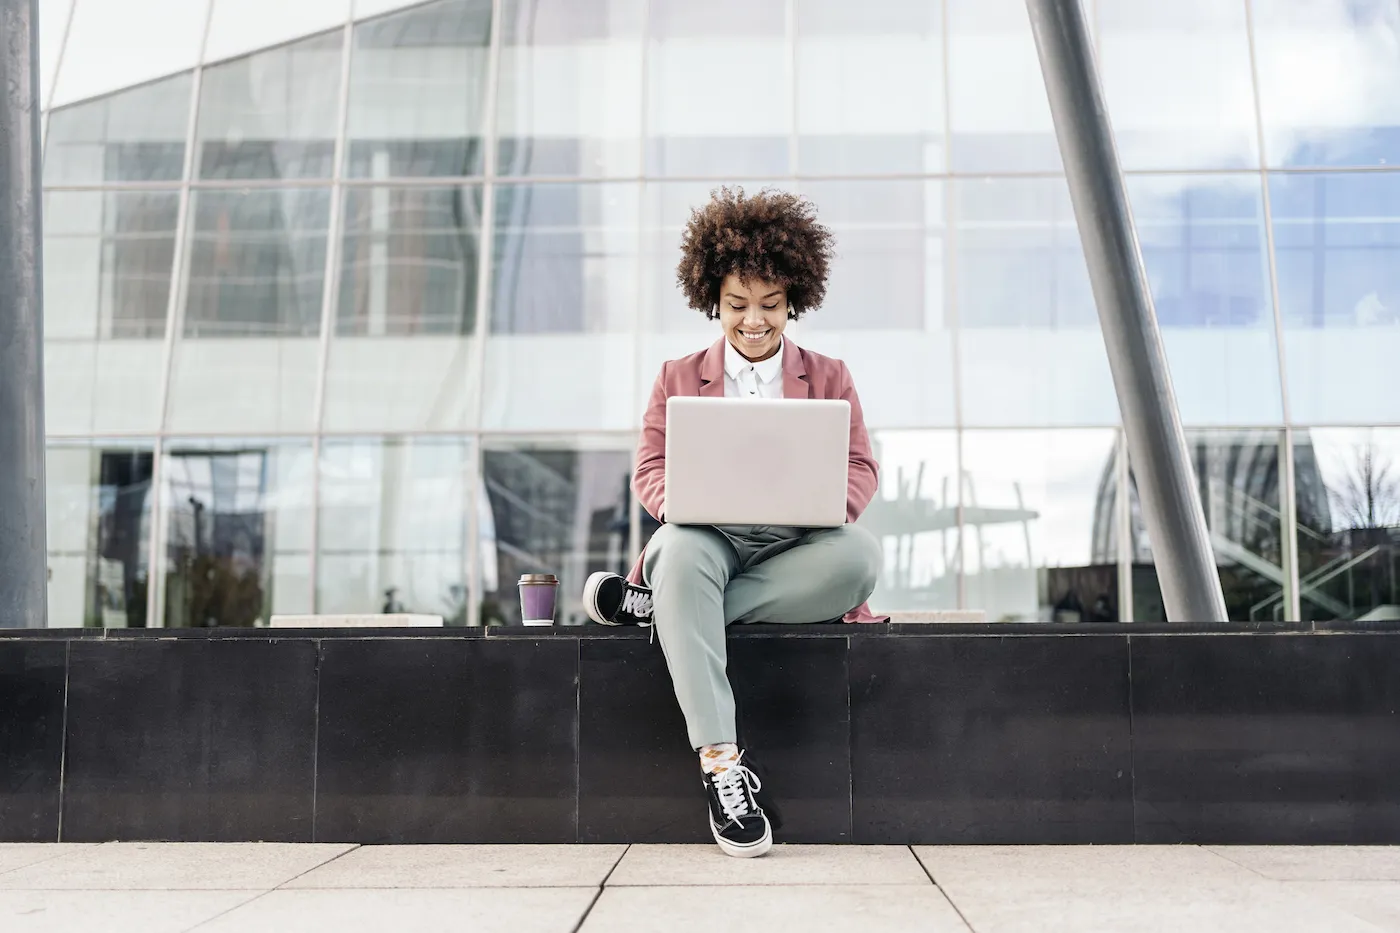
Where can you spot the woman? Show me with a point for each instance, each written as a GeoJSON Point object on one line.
{"type": "Point", "coordinates": [752, 263]}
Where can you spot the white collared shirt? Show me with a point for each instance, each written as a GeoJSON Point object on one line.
{"type": "Point", "coordinates": [743, 379]}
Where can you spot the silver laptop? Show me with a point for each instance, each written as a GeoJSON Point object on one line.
{"type": "Point", "coordinates": [757, 461]}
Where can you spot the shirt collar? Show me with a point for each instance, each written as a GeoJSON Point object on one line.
{"type": "Point", "coordinates": [767, 371]}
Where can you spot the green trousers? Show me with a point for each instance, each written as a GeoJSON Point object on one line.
{"type": "Point", "coordinates": [704, 578]}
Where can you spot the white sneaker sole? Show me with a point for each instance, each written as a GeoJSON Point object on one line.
{"type": "Point", "coordinates": [752, 850]}
{"type": "Point", "coordinates": [590, 595]}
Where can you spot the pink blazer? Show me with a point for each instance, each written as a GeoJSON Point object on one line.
{"type": "Point", "coordinates": [805, 375]}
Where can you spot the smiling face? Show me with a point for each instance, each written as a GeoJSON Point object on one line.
{"type": "Point", "coordinates": [753, 315]}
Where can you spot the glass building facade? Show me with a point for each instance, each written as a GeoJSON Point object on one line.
{"type": "Point", "coordinates": [354, 306]}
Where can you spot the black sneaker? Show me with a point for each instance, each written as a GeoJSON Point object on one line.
{"type": "Point", "coordinates": [737, 822]}
{"type": "Point", "coordinates": [610, 600]}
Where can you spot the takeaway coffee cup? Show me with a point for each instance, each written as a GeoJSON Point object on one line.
{"type": "Point", "coordinates": [539, 593]}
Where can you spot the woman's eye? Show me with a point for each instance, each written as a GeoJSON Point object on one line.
{"type": "Point", "coordinates": [770, 307]}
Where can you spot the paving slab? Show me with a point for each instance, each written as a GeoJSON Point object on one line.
{"type": "Point", "coordinates": [467, 866]}
{"type": "Point", "coordinates": [1377, 902]}
{"type": "Point", "coordinates": [113, 911]}
{"type": "Point", "coordinates": [1122, 889]}
{"type": "Point", "coordinates": [19, 854]}
{"type": "Point", "coordinates": [867, 908]}
{"type": "Point", "coordinates": [174, 866]}
{"type": "Point", "coordinates": [784, 865]}
{"type": "Point", "coordinates": [1317, 863]}
{"type": "Point", "coordinates": [480, 910]}
{"type": "Point", "coordinates": [1083, 866]}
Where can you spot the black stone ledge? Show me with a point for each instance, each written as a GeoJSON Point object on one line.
{"type": "Point", "coordinates": [758, 630]}
{"type": "Point", "coordinates": [51, 634]}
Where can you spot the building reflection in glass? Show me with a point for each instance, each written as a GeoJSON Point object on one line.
{"type": "Point", "coordinates": [1348, 522]}
{"type": "Point", "coordinates": [99, 512]}
{"type": "Point", "coordinates": [559, 511]}
{"type": "Point", "coordinates": [237, 532]}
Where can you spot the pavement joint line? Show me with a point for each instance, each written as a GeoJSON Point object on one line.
{"type": "Point", "coordinates": [47, 858]}
{"type": "Point", "coordinates": [602, 886]}
{"type": "Point", "coordinates": [225, 913]}
{"type": "Point", "coordinates": [339, 855]}
{"type": "Point", "coordinates": [262, 894]}
{"type": "Point", "coordinates": [939, 888]}
{"type": "Point", "coordinates": [1222, 855]}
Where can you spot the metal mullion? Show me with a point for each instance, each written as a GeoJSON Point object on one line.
{"type": "Point", "coordinates": [174, 322]}
{"type": "Point", "coordinates": [952, 320]}
{"type": "Point", "coordinates": [483, 309]}
{"type": "Point", "coordinates": [447, 181]}
{"type": "Point", "coordinates": [260, 184]}
{"type": "Point", "coordinates": [411, 181]}
{"type": "Point", "coordinates": [1288, 488]}
{"type": "Point", "coordinates": [640, 391]}
{"type": "Point", "coordinates": [62, 53]}
{"type": "Point", "coordinates": [46, 105]}
{"type": "Point", "coordinates": [1123, 521]}
{"type": "Point", "coordinates": [790, 69]}
{"type": "Point", "coordinates": [330, 294]}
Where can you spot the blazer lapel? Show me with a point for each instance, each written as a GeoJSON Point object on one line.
{"type": "Point", "coordinates": [795, 384]}
{"type": "Point", "coordinates": [712, 371]}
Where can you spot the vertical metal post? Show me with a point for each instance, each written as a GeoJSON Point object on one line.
{"type": "Point", "coordinates": [23, 548]}
{"type": "Point", "coordinates": [1171, 501]}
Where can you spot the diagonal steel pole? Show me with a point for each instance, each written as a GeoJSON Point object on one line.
{"type": "Point", "coordinates": [1171, 501]}
{"type": "Point", "coordinates": [23, 554]}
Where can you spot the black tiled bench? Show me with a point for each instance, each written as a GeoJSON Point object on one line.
{"type": "Point", "coordinates": [869, 734]}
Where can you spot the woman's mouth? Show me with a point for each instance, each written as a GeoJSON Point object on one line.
{"type": "Point", "coordinates": [755, 337]}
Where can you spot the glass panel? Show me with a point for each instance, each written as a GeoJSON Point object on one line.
{"type": "Point", "coordinates": [114, 45]}
{"type": "Point", "coordinates": [571, 87]}
{"type": "Point", "coordinates": [417, 91]}
{"type": "Point", "coordinates": [1178, 82]}
{"type": "Point", "coordinates": [273, 114]}
{"type": "Point", "coordinates": [997, 109]}
{"type": "Point", "coordinates": [257, 262]}
{"type": "Point", "coordinates": [108, 258]}
{"type": "Point", "coordinates": [257, 269]}
{"type": "Point", "coordinates": [1038, 518]}
{"type": "Point", "coordinates": [393, 526]}
{"type": "Point", "coordinates": [564, 308]}
{"type": "Point", "coordinates": [884, 310]}
{"type": "Point", "coordinates": [915, 516]}
{"type": "Point", "coordinates": [1207, 263]}
{"type": "Point", "coordinates": [719, 102]}
{"type": "Point", "coordinates": [99, 511]}
{"type": "Point", "coordinates": [1032, 353]}
{"type": "Point", "coordinates": [1348, 522]}
{"type": "Point", "coordinates": [1238, 477]}
{"type": "Point", "coordinates": [137, 135]}
{"type": "Point", "coordinates": [1327, 76]}
{"type": "Point", "coordinates": [238, 26]}
{"type": "Point", "coordinates": [869, 86]}
{"type": "Point", "coordinates": [402, 356]}
{"type": "Point", "coordinates": [107, 268]}
{"type": "Point", "coordinates": [237, 531]}
{"type": "Point", "coordinates": [1337, 247]}
{"type": "Point", "coordinates": [551, 510]}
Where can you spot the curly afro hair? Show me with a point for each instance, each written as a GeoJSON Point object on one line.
{"type": "Point", "coordinates": [773, 236]}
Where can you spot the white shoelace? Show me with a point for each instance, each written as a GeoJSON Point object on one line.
{"type": "Point", "coordinates": [637, 603]}
{"type": "Point", "coordinates": [730, 785]}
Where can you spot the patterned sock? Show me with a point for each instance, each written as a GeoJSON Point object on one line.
{"type": "Point", "coordinates": [715, 759]}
